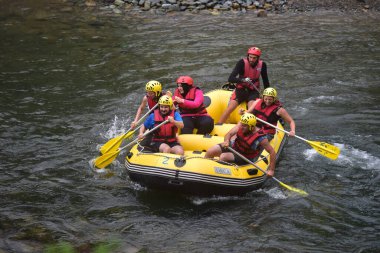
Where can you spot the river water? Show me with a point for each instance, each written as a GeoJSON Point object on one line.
{"type": "Point", "coordinates": [71, 80]}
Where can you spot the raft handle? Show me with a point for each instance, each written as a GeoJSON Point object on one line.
{"type": "Point", "coordinates": [252, 172]}
{"type": "Point", "coordinates": [175, 182]}
{"type": "Point", "coordinates": [180, 162]}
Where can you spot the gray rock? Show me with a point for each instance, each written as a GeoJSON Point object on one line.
{"type": "Point", "coordinates": [119, 2]}
{"type": "Point", "coordinates": [155, 2]}
{"type": "Point", "coordinates": [166, 6]}
{"type": "Point", "coordinates": [227, 4]}
{"type": "Point", "coordinates": [147, 5]}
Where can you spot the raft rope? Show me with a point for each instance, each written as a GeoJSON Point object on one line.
{"type": "Point", "coordinates": [195, 157]}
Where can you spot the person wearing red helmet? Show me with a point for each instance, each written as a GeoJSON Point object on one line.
{"type": "Point", "coordinates": [246, 75]}
{"type": "Point", "coordinates": [189, 99]}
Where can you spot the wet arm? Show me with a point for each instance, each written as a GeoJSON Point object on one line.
{"type": "Point", "coordinates": [288, 119]}
{"type": "Point", "coordinates": [272, 158]}
{"type": "Point", "coordinates": [140, 109]}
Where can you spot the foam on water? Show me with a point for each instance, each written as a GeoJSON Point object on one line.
{"type": "Point", "coordinates": [349, 157]}
{"type": "Point", "coordinates": [137, 187]}
{"type": "Point", "coordinates": [276, 193]}
{"type": "Point", "coordinates": [324, 99]}
{"type": "Point", "coordinates": [203, 200]}
{"type": "Point", "coordinates": [353, 157]}
{"type": "Point", "coordinates": [300, 110]}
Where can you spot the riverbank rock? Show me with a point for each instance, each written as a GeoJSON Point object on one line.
{"type": "Point", "coordinates": [262, 7]}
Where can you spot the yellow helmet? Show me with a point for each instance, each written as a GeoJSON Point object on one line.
{"type": "Point", "coordinates": [248, 119]}
{"type": "Point", "coordinates": [270, 92]}
{"type": "Point", "coordinates": [154, 86]}
{"type": "Point", "coordinates": [165, 100]}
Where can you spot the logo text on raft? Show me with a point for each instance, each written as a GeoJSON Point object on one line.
{"type": "Point", "coordinates": [224, 171]}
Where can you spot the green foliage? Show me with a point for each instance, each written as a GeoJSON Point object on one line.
{"type": "Point", "coordinates": [62, 247]}
{"type": "Point", "coordinates": [65, 247]}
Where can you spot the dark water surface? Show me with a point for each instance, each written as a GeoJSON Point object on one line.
{"type": "Point", "coordinates": [72, 80]}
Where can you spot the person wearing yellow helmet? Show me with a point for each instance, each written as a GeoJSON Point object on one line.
{"type": "Point", "coordinates": [246, 76]}
{"type": "Point", "coordinates": [247, 139]}
{"type": "Point", "coordinates": [269, 109]}
{"type": "Point", "coordinates": [153, 90]}
{"type": "Point", "coordinates": [164, 139]}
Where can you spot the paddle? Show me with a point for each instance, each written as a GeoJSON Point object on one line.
{"type": "Point", "coordinates": [254, 86]}
{"type": "Point", "coordinates": [115, 143]}
{"type": "Point", "coordinates": [107, 158]}
{"type": "Point", "coordinates": [328, 150]}
{"type": "Point", "coordinates": [301, 192]}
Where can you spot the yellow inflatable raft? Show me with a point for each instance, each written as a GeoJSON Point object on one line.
{"type": "Point", "coordinates": [193, 174]}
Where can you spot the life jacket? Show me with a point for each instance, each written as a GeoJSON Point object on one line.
{"type": "Point", "coordinates": [243, 143]}
{"type": "Point", "coordinates": [152, 101]}
{"type": "Point", "coordinates": [253, 73]}
{"type": "Point", "coordinates": [166, 132]}
{"type": "Point", "coordinates": [190, 96]}
{"type": "Point", "coordinates": [268, 114]}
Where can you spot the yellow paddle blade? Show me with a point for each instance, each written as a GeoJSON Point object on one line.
{"type": "Point", "coordinates": [325, 149]}
{"type": "Point", "coordinates": [113, 144]}
{"type": "Point", "coordinates": [106, 159]}
{"type": "Point", "coordinates": [291, 188]}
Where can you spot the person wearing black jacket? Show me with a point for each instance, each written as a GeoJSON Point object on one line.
{"type": "Point", "coordinates": [246, 75]}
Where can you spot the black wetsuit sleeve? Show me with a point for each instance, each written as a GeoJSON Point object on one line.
{"type": "Point", "coordinates": [264, 75]}
{"type": "Point", "coordinates": [237, 71]}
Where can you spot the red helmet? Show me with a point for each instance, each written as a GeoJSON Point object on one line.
{"type": "Point", "coordinates": [185, 79]}
{"type": "Point", "coordinates": [254, 51]}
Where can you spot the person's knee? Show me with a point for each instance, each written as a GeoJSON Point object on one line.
{"type": "Point", "coordinates": [206, 128]}
{"type": "Point", "coordinates": [213, 151]}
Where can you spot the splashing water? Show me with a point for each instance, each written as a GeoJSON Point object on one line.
{"type": "Point", "coordinates": [349, 157]}
{"type": "Point", "coordinates": [276, 193]}
{"type": "Point", "coordinates": [118, 127]}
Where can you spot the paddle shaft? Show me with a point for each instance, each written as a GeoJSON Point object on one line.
{"type": "Point", "coordinates": [146, 114]}
{"type": "Point", "coordinates": [299, 191]}
{"type": "Point", "coordinates": [254, 86]}
{"type": "Point", "coordinates": [143, 117]}
{"type": "Point", "coordinates": [331, 152]}
{"type": "Point", "coordinates": [145, 134]}
{"type": "Point", "coordinates": [249, 161]}
{"type": "Point", "coordinates": [114, 143]}
{"type": "Point", "coordinates": [269, 124]}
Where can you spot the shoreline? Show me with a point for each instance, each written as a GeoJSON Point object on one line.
{"type": "Point", "coordinates": [216, 7]}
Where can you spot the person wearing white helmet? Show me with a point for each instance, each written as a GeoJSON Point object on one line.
{"type": "Point", "coordinates": [246, 139]}
{"type": "Point", "coordinates": [246, 75]}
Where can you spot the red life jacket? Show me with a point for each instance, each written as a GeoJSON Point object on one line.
{"type": "Point", "coordinates": [167, 132]}
{"type": "Point", "coordinates": [190, 96]}
{"type": "Point", "coordinates": [253, 73]}
{"type": "Point", "coordinates": [152, 102]}
{"type": "Point", "coordinates": [243, 143]}
{"type": "Point", "coordinates": [268, 114]}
